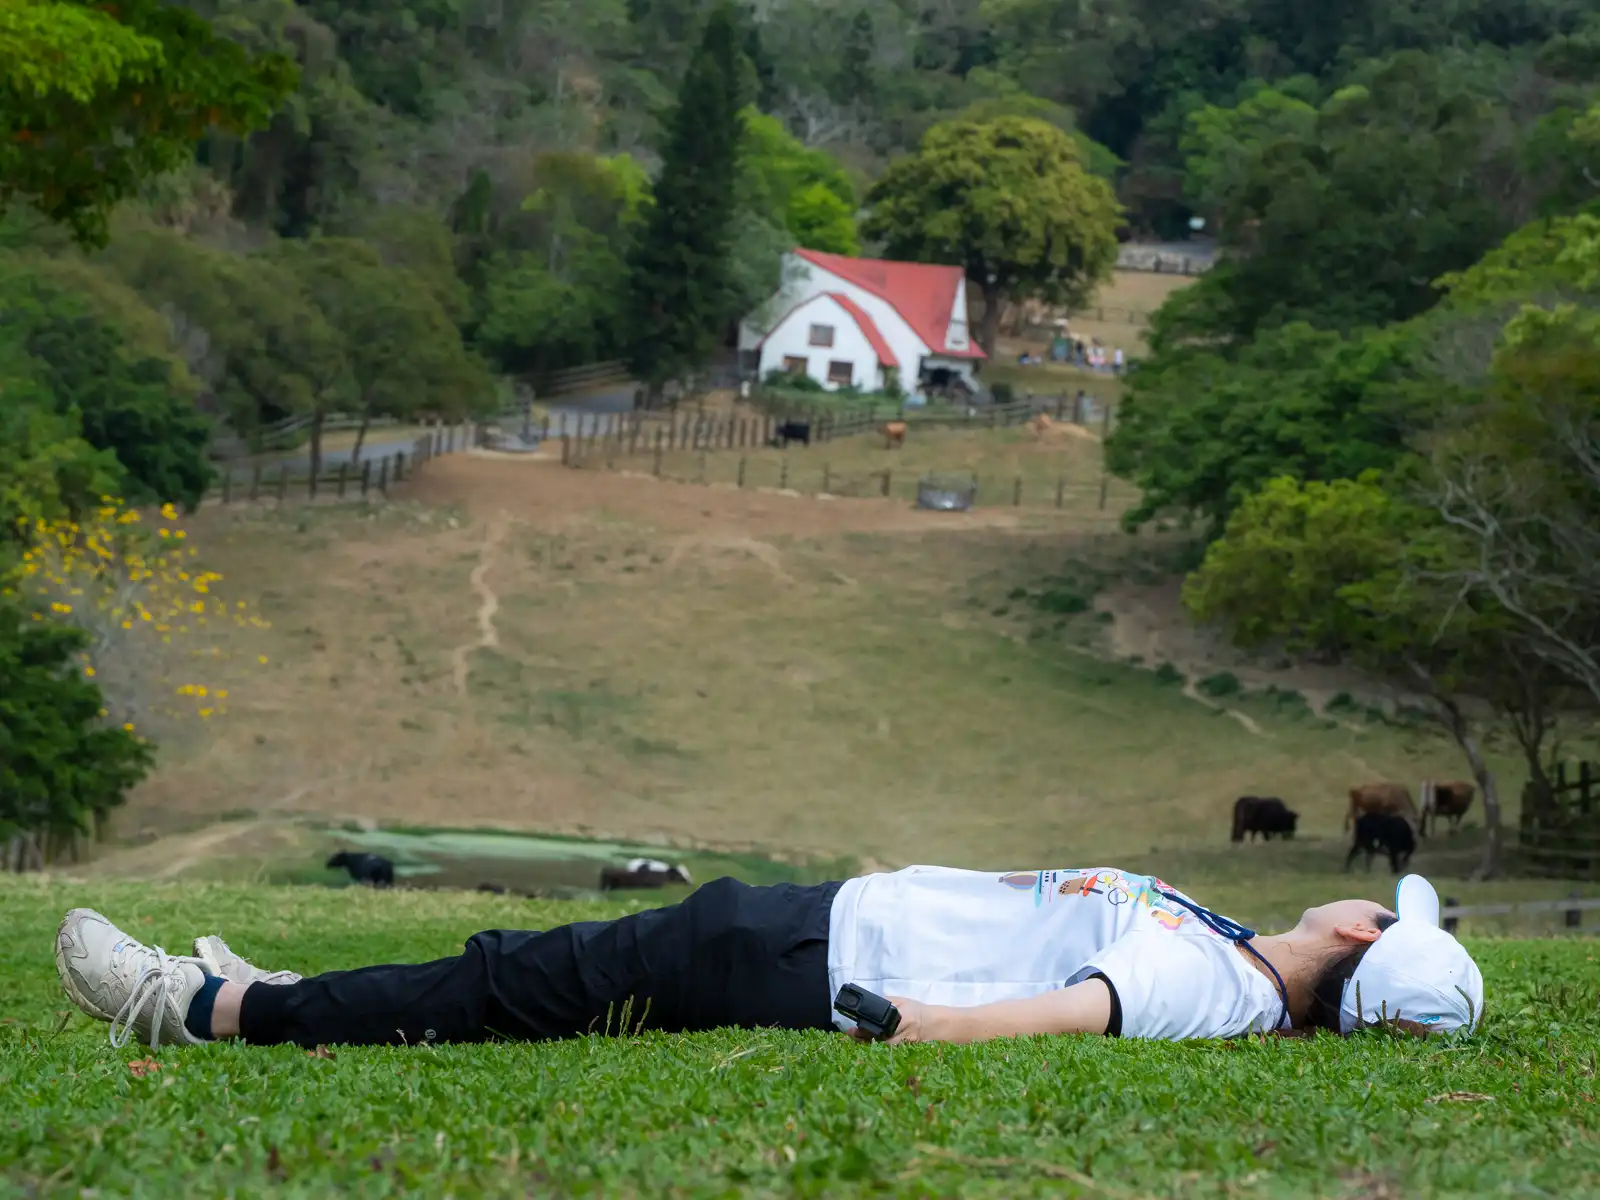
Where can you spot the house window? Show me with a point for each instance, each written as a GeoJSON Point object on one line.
{"type": "Point", "coordinates": [793, 365]}
{"type": "Point", "coordinates": [841, 373]}
{"type": "Point", "coordinates": [822, 335]}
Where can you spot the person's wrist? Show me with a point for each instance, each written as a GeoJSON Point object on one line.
{"type": "Point", "coordinates": [941, 1023]}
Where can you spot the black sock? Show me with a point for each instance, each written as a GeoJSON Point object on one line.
{"type": "Point", "coordinates": [198, 1019]}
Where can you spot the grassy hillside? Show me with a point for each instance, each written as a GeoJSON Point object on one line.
{"type": "Point", "coordinates": [753, 1113]}
{"type": "Point", "coordinates": [528, 647]}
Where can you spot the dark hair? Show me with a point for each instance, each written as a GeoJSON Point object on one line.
{"type": "Point", "coordinates": [1327, 992]}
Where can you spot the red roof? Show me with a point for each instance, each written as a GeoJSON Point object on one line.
{"type": "Point", "coordinates": [868, 327]}
{"type": "Point", "coordinates": [924, 294]}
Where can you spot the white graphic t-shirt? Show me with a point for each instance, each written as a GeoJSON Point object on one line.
{"type": "Point", "coordinates": [947, 936]}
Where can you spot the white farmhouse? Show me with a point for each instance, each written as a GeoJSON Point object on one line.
{"type": "Point", "coordinates": [862, 322]}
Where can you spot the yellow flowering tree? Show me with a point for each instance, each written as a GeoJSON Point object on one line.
{"type": "Point", "coordinates": [156, 626]}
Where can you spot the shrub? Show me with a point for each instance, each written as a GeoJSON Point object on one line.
{"type": "Point", "coordinates": [1167, 673]}
{"type": "Point", "coordinates": [1224, 683]}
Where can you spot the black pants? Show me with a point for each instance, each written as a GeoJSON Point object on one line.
{"type": "Point", "coordinates": [729, 955]}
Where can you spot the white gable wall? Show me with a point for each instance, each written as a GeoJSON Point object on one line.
{"type": "Point", "coordinates": [956, 336]}
{"type": "Point", "coordinates": [792, 336]}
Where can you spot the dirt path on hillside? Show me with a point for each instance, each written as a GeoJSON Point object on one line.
{"type": "Point", "coordinates": [488, 606]}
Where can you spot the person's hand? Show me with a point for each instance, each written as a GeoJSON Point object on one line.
{"type": "Point", "coordinates": [918, 1023]}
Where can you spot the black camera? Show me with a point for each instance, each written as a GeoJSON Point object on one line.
{"type": "Point", "coordinates": [872, 1013]}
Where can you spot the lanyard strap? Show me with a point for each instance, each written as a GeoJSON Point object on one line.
{"type": "Point", "coordinates": [1239, 936]}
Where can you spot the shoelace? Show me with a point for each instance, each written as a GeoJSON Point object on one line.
{"type": "Point", "coordinates": [1240, 936]}
{"type": "Point", "coordinates": [154, 978]}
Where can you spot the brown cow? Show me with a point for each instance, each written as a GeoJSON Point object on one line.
{"type": "Point", "coordinates": [1040, 425]}
{"type": "Point", "coordinates": [894, 434]}
{"type": "Point", "coordinates": [1450, 799]}
{"type": "Point", "coordinates": [1381, 798]}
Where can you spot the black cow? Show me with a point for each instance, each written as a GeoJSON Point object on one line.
{"type": "Point", "coordinates": [1387, 832]}
{"type": "Point", "coordinates": [371, 869]}
{"type": "Point", "coordinates": [792, 431]}
{"type": "Point", "coordinates": [1265, 815]}
{"type": "Point", "coordinates": [642, 873]}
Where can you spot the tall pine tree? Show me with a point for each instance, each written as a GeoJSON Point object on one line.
{"type": "Point", "coordinates": [682, 294]}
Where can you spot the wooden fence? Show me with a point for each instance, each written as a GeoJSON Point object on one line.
{"type": "Point", "coordinates": [1563, 837]}
{"type": "Point", "coordinates": [580, 379]}
{"type": "Point", "coordinates": [619, 435]}
{"type": "Point", "coordinates": [341, 480]}
{"type": "Point", "coordinates": [716, 440]}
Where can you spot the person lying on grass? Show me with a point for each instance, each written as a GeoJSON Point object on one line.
{"type": "Point", "coordinates": [965, 956]}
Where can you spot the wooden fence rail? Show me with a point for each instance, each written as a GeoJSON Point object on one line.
{"type": "Point", "coordinates": [1450, 913]}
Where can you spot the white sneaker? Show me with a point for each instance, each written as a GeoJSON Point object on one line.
{"type": "Point", "coordinates": [219, 960]}
{"type": "Point", "coordinates": [142, 990]}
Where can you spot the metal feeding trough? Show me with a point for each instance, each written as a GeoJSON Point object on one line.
{"type": "Point", "coordinates": [946, 493]}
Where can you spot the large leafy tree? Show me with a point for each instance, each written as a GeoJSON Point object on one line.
{"type": "Point", "coordinates": [1351, 567]}
{"type": "Point", "coordinates": [404, 354]}
{"type": "Point", "coordinates": [95, 99]}
{"type": "Point", "coordinates": [1200, 431]}
{"type": "Point", "coordinates": [1010, 201]}
{"type": "Point", "coordinates": [123, 402]}
{"type": "Point", "coordinates": [801, 190]}
{"type": "Point", "coordinates": [682, 296]}
{"type": "Point", "coordinates": [62, 770]}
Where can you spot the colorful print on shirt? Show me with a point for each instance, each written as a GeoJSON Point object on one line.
{"type": "Point", "coordinates": [1117, 887]}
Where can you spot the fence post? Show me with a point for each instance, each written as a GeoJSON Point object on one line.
{"type": "Point", "coordinates": [827, 477]}
{"type": "Point", "coordinates": [383, 476]}
{"type": "Point", "coordinates": [366, 476]}
{"type": "Point", "coordinates": [783, 475]}
{"type": "Point", "coordinates": [741, 470]}
{"type": "Point", "coordinates": [283, 482]}
{"type": "Point", "coordinates": [887, 476]}
{"type": "Point", "coordinates": [311, 485]}
{"type": "Point", "coordinates": [633, 436]}
{"type": "Point", "coordinates": [1105, 484]}
{"type": "Point", "coordinates": [255, 482]}
{"type": "Point", "coordinates": [656, 468]}
{"type": "Point", "coordinates": [566, 450]}
{"type": "Point", "coordinates": [227, 486]}
{"type": "Point", "coordinates": [1574, 916]}
{"type": "Point", "coordinates": [1061, 488]}
{"type": "Point", "coordinates": [1016, 493]}
{"type": "Point", "coordinates": [343, 467]}
{"type": "Point", "coordinates": [400, 467]}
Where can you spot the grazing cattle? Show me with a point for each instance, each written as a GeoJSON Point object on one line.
{"type": "Point", "coordinates": [371, 869]}
{"type": "Point", "coordinates": [1265, 815]}
{"type": "Point", "coordinates": [1450, 799]}
{"type": "Point", "coordinates": [894, 434]}
{"type": "Point", "coordinates": [1381, 798]}
{"type": "Point", "coordinates": [642, 873]}
{"type": "Point", "coordinates": [1386, 832]}
{"type": "Point", "coordinates": [792, 431]}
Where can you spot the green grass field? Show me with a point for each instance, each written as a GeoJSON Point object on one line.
{"type": "Point", "coordinates": [762, 1113]}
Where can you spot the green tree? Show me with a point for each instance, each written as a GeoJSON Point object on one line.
{"type": "Point", "coordinates": [246, 327]}
{"type": "Point", "coordinates": [1350, 566]}
{"type": "Point", "coordinates": [1011, 202]}
{"type": "Point", "coordinates": [801, 190]}
{"type": "Point", "coordinates": [1201, 431]}
{"type": "Point", "coordinates": [96, 99]}
{"type": "Point", "coordinates": [404, 355]}
{"type": "Point", "coordinates": [62, 770]}
{"type": "Point", "coordinates": [123, 402]}
{"type": "Point", "coordinates": [682, 301]}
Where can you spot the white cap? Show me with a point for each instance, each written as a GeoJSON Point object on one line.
{"type": "Point", "coordinates": [1415, 971]}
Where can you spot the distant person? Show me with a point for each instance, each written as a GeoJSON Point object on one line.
{"type": "Point", "coordinates": [1116, 361]}
{"type": "Point", "coordinates": [965, 955]}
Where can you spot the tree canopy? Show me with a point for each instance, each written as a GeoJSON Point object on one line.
{"type": "Point", "coordinates": [1011, 201]}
